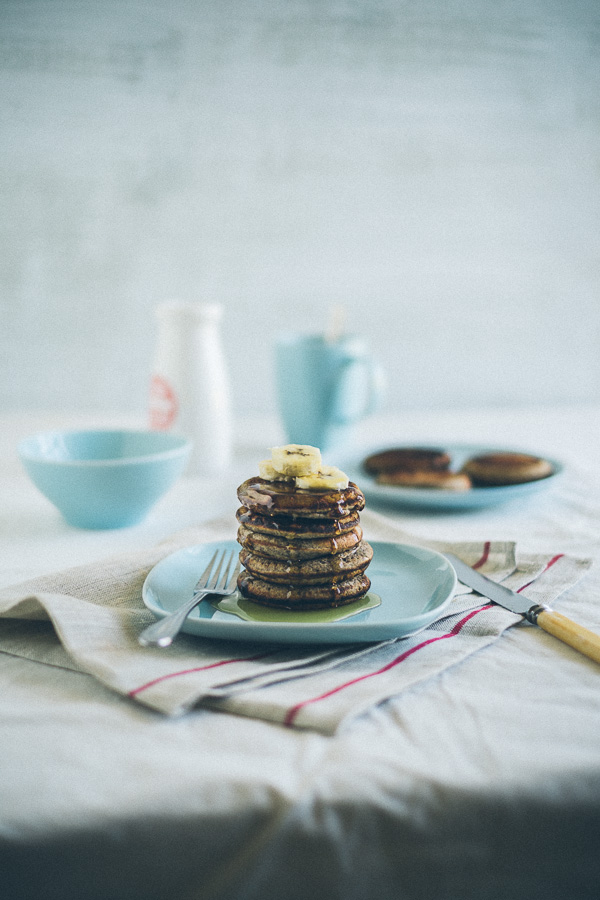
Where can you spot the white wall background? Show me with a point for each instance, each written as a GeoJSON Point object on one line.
{"type": "Point", "coordinates": [434, 165]}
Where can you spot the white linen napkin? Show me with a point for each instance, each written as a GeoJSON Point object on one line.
{"type": "Point", "coordinates": [96, 613]}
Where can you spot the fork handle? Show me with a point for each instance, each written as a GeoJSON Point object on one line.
{"type": "Point", "coordinates": [162, 633]}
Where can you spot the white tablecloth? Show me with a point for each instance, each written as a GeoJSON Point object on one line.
{"type": "Point", "coordinates": [483, 783]}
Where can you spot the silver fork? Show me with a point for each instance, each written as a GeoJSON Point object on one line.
{"type": "Point", "coordinates": [222, 583]}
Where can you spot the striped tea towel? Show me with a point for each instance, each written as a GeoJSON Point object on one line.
{"type": "Point", "coordinates": [88, 618]}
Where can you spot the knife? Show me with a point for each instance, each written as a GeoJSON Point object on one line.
{"type": "Point", "coordinates": [581, 639]}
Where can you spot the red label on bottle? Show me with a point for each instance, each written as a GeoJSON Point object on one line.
{"type": "Point", "coordinates": [163, 404]}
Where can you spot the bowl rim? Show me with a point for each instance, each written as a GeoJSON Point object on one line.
{"type": "Point", "coordinates": [184, 446]}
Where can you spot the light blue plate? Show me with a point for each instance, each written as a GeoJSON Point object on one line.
{"type": "Point", "coordinates": [414, 586]}
{"type": "Point", "coordinates": [451, 500]}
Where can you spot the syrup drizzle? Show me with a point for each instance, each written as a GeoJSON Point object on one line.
{"type": "Point", "coordinates": [282, 497]}
{"type": "Point", "coordinates": [307, 527]}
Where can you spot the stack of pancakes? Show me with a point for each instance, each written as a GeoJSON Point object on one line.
{"type": "Point", "coordinates": [301, 549]}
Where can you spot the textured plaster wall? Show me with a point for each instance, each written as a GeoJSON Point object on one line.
{"type": "Point", "coordinates": [434, 166]}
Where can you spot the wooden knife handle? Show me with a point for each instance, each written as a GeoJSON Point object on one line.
{"type": "Point", "coordinates": [581, 639]}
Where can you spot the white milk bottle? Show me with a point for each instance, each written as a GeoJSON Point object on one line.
{"type": "Point", "coordinates": [189, 390]}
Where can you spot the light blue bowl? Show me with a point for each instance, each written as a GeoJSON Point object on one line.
{"type": "Point", "coordinates": [104, 479]}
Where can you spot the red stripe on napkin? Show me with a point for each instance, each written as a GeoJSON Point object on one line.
{"type": "Point", "coordinates": [222, 662]}
{"type": "Point", "coordinates": [484, 557]}
{"type": "Point", "coordinates": [548, 565]}
{"type": "Point", "coordinates": [294, 710]}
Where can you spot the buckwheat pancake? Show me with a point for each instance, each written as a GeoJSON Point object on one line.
{"type": "Point", "coordinates": [317, 596]}
{"type": "Point", "coordinates": [326, 569]}
{"type": "Point", "coordinates": [507, 467]}
{"type": "Point", "coordinates": [294, 549]}
{"type": "Point", "coordinates": [296, 528]}
{"type": "Point", "coordinates": [444, 481]}
{"type": "Point", "coordinates": [407, 459]}
{"type": "Point", "coordinates": [284, 498]}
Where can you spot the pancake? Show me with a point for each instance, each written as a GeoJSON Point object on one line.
{"type": "Point", "coordinates": [506, 467]}
{"type": "Point", "coordinates": [295, 549]}
{"type": "Point", "coordinates": [296, 528]}
{"type": "Point", "coordinates": [319, 596]}
{"type": "Point", "coordinates": [274, 498]}
{"type": "Point", "coordinates": [327, 569]}
{"type": "Point", "coordinates": [407, 459]}
{"type": "Point", "coordinates": [445, 481]}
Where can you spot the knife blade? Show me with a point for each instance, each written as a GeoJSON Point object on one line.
{"type": "Point", "coordinates": [581, 639]}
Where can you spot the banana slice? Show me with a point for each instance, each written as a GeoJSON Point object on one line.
{"type": "Point", "coordinates": [266, 471]}
{"type": "Point", "coordinates": [327, 478]}
{"type": "Point", "coordinates": [296, 459]}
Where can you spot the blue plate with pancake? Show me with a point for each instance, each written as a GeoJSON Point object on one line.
{"type": "Point", "coordinates": [436, 498]}
{"type": "Point", "coordinates": [410, 588]}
